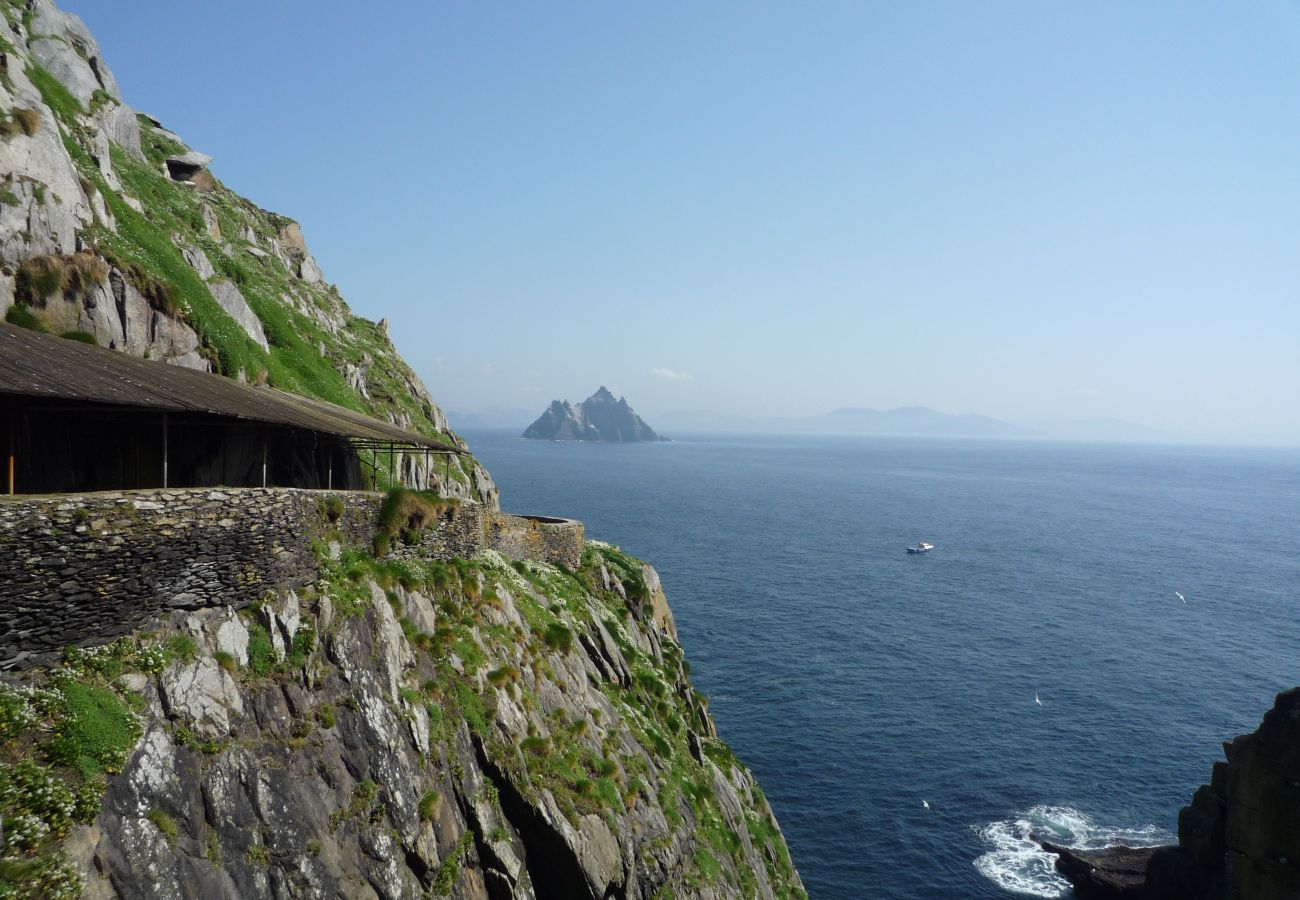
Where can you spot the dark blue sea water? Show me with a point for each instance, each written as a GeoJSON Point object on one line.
{"type": "Point", "coordinates": [858, 681]}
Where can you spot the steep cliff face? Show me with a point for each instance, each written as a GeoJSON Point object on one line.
{"type": "Point", "coordinates": [600, 417]}
{"type": "Point", "coordinates": [1239, 839]}
{"type": "Point", "coordinates": [471, 729]}
{"type": "Point", "coordinates": [112, 229]}
{"type": "Point", "coordinates": [1240, 836]}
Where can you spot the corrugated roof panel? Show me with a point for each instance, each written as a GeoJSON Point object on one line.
{"type": "Point", "coordinates": [41, 365]}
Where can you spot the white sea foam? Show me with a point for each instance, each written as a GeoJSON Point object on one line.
{"type": "Point", "coordinates": [1016, 863]}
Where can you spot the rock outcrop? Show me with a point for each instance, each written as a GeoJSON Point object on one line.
{"type": "Point", "coordinates": [1112, 872]}
{"type": "Point", "coordinates": [1239, 839]}
{"type": "Point", "coordinates": [189, 272]}
{"type": "Point", "coordinates": [472, 729]}
{"type": "Point", "coordinates": [600, 417]}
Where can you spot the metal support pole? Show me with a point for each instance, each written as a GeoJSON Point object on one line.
{"type": "Point", "coordinates": [164, 449]}
{"type": "Point", "coordinates": [263, 459]}
{"type": "Point", "coordinates": [392, 465]}
{"type": "Point", "coordinates": [329, 479]}
{"type": "Point", "coordinates": [11, 451]}
{"type": "Point", "coordinates": [428, 470]}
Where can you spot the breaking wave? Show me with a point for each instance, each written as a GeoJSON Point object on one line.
{"type": "Point", "coordinates": [1016, 863]}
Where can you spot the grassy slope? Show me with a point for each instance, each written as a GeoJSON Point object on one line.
{"type": "Point", "coordinates": [295, 361]}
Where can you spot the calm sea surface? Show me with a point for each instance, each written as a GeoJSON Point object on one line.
{"type": "Point", "coordinates": [858, 681]}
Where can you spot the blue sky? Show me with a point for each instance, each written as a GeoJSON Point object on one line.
{"type": "Point", "coordinates": [1024, 209]}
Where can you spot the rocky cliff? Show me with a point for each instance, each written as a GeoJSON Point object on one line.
{"type": "Point", "coordinates": [600, 417]}
{"type": "Point", "coordinates": [113, 230]}
{"type": "Point", "coordinates": [358, 705]}
{"type": "Point", "coordinates": [469, 728]}
{"type": "Point", "coordinates": [1239, 839]}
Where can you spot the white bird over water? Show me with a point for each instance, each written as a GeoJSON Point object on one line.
{"type": "Point", "coordinates": [1036, 700]}
{"type": "Point", "coordinates": [1179, 595]}
{"type": "Point", "coordinates": [925, 803]}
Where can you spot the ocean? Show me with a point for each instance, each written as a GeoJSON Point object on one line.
{"type": "Point", "coordinates": [858, 681]}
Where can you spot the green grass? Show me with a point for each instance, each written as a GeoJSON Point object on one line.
{"type": "Point", "coordinates": [262, 658]}
{"type": "Point", "coordinates": [304, 641]}
{"type": "Point", "coordinates": [333, 509]}
{"type": "Point", "coordinates": [81, 337]}
{"type": "Point", "coordinates": [428, 806]}
{"type": "Point", "coordinates": [165, 823]}
{"type": "Point", "coordinates": [24, 318]}
{"type": "Point", "coordinates": [96, 732]}
{"type": "Point", "coordinates": [325, 715]}
{"type": "Point", "coordinates": [67, 107]}
{"type": "Point", "coordinates": [182, 647]}
{"type": "Point", "coordinates": [449, 869]}
{"type": "Point", "coordinates": [406, 510]}
{"type": "Point", "coordinates": [558, 637]}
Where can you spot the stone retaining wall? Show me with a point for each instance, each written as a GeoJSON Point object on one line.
{"type": "Point", "coordinates": [466, 529]}
{"type": "Point", "coordinates": [85, 569]}
{"type": "Point", "coordinates": [559, 541]}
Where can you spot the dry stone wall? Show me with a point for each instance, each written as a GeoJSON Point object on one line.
{"type": "Point", "coordinates": [84, 569]}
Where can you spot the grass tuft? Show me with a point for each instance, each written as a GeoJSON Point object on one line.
{"type": "Point", "coordinates": [29, 121]}
{"type": "Point", "coordinates": [24, 318]}
{"type": "Point", "coordinates": [96, 732]}
{"type": "Point", "coordinates": [44, 276]}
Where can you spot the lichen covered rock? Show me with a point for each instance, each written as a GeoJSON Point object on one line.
{"type": "Point", "coordinates": [472, 728]}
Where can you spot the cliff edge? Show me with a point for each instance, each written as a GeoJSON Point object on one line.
{"type": "Point", "coordinates": [405, 723]}
{"type": "Point", "coordinates": [1239, 838]}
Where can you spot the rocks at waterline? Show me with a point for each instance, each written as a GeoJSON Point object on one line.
{"type": "Point", "coordinates": [1112, 872]}
{"type": "Point", "coordinates": [601, 417]}
{"type": "Point", "coordinates": [1239, 838]}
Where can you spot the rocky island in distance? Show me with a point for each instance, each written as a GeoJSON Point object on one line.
{"type": "Point", "coordinates": [600, 417]}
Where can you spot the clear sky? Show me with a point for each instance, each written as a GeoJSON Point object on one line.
{"type": "Point", "coordinates": [1022, 209]}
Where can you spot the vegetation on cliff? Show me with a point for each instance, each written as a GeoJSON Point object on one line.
{"type": "Point", "coordinates": [411, 727]}
{"type": "Point", "coordinates": [120, 231]}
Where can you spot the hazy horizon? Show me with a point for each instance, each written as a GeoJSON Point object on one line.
{"type": "Point", "coordinates": [1023, 211]}
{"type": "Point", "coordinates": [670, 422]}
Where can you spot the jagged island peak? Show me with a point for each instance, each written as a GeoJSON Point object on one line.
{"type": "Point", "coordinates": [601, 417]}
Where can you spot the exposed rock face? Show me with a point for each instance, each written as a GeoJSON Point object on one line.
{"type": "Point", "coordinates": [1114, 872]}
{"type": "Point", "coordinates": [232, 301]}
{"type": "Point", "coordinates": [480, 731]}
{"type": "Point", "coordinates": [191, 167]}
{"type": "Point", "coordinates": [63, 45]}
{"type": "Point", "coordinates": [193, 268]}
{"type": "Point", "coordinates": [600, 417]}
{"type": "Point", "coordinates": [1241, 832]}
{"type": "Point", "coordinates": [1239, 839]}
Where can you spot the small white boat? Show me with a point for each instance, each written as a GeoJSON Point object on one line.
{"type": "Point", "coordinates": [922, 547]}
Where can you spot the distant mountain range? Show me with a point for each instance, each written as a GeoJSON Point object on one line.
{"type": "Point", "coordinates": [513, 418]}
{"type": "Point", "coordinates": [914, 421]}
{"type": "Point", "coordinates": [600, 417]}
{"type": "Point", "coordinates": [905, 421]}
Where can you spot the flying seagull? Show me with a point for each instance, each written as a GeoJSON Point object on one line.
{"type": "Point", "coordinates": [1036, 700]}
{"type": "Point", "coordinates": [1179, 595]}
{"type": "Point", "coordinates": [925, 803]}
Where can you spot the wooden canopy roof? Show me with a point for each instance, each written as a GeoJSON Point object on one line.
{"type": "Point", "coordinates": [44, 366]}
